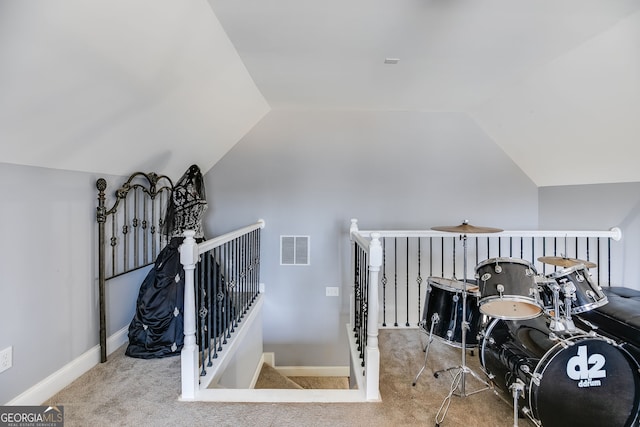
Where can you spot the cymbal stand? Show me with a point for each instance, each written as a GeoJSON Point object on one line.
{"type": "Point", "coordinates": [459, 378]}
{"type": "Point", "coordinates": [434, 320]}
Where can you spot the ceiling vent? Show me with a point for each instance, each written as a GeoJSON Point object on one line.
{"type": "Point", "coordinates": [294, 250]}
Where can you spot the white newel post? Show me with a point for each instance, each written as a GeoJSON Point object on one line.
{"type": "Point", "coordinates": [189, 355]}
{"type": "Point", "coordinates": [372, 361]}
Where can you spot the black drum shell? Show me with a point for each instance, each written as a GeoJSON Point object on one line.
{"type": "Point", "coordinates": [444, 298]}
{"type": "Point", "coordinates": [580, 277]}
{"type": "Point", "coordinates": [514, 350]}
{"type": "Point", "coordinates": [519, 300]}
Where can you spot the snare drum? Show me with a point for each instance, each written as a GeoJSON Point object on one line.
{"type": "Point", "coordinates": [508, 289]}
{"type": "Point", "coordinates": [588, 295]}
{"type": "Point", "coordinates": [443, 311]}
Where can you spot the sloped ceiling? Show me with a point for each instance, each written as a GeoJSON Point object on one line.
{"type": "Point", "coordinates": [555, 83]}
{"type": "Point", "coordinates": [117, 86]}
{"type": "Point", "coordinates": [153, 84]}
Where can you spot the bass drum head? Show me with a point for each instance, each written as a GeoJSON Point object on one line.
{"type": "Point", "coordinates": [590, 383]}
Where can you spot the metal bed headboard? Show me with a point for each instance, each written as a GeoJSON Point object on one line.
{"type": "Point", "coordinates": [129, 232]}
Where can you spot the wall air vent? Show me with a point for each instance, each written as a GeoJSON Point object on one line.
{"type": "Point", "coordinates": [294, 250]}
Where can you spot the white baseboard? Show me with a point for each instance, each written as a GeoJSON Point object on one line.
{"type": "Point", "coordinates": [64, 376]}
{"type": "Point", "coordinates": [313, 371]}
{"type": "Point", "coordinates": [304, 371]}
{"type": "Point", "coordinates": [265, 358]}
{"type": "Point", "coordinates": [269, 358]}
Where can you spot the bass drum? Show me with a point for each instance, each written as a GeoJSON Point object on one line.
{"type": "Point", "coordinates": [576, 379]}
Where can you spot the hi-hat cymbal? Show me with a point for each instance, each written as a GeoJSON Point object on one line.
{"type": "Point", "coordinates": [465, 228]}
{"type": "Point", "coordinates": [565, 262]}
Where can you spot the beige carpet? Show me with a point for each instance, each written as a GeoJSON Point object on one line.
{"type": "Point", "coordinates": [134, 392]}
{"type": "Point", "coordinates": [270, 378]}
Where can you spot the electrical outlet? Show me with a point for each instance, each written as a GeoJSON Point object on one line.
{"type": "Point", "coordinates": [5, 359]}
{"type": "Point", "coordinates": [332, 291]}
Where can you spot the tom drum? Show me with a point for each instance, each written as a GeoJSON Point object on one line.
{"type": "Point", "coordinates": [508, 289]}
{"type": "Point", "coordinates": [443, 311]}
{"type": "Point", "coordinates": [577, 280]}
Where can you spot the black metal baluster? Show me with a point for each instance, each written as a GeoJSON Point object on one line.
{"type": "Point", "coordinates": [407, 266]}
{"type": "Point", "coordinates": [533, 251]}
{"type": "Point", "coordinates": [609, 260]}
{"type": "Point", "coordinates": [365, 306]}
{"type": "Point", "coordinates": [430, 256]}
{"type": "Point", "coordinates": [225, 301]}
{"type": "Point", "coordinates": [201, 310]}
{"type": "Point", "coordinates": [488, 248]}
{"type": "Point", "coordinates": [219, 285]}
{"type": "Point", "coordinates": [555, 250]}
{"type": "Point", "coordinates": [384, 282]}
{"type": "Point", "coordinates": [395, 281]}
{"type": "Point", "coordinates": [210, 301]}
{"type": "Point", "coordinates": [477, 247]}
{"type": "Point", "coordinates": [419, 278]}
{"type": "Point", "coordinates": [356, 293]}
{"type": "Point", "coordinates": [598, 258]}
{"type": "Point", "coordinates": [453, 245]}
{"type": "Point", "coordinates": [442, 257]}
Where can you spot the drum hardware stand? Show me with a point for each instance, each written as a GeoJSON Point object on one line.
{"type": "Point", "coordinates": [558, 322]}
{"type": "Point", "coordinates": [516, 388]}
{"type": "Point", "coordinates": [434, 320]}
{"type": "Point", "coordinates": [570, 295]}
{"type": "Point", "coordinates": [463, 369]}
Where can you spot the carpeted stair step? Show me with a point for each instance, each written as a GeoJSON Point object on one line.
{"type": "Point", "coordinates": [326, 383]}
{"type": "Point", "coordinates": [270, 378]}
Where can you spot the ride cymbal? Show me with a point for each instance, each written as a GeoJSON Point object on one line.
{"type": "Point", "coordinates": [465, 228]}
{"type": "Point", "coordinates": [565, 262]}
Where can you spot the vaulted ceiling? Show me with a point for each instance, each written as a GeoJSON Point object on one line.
{"type": "Point", "coordinates": [555, 83]}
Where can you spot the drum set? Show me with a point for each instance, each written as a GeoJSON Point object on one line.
{"type": "Point", "coordinates": [530, 348]}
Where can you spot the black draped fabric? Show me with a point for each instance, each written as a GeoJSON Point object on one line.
{"type": "Point", "coordinates": [157, 326]}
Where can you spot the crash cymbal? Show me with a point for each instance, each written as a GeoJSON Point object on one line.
{"type": "Point", "coordinates": [565, 262]}
{"type": "Point", "coordinates": [465, 228]}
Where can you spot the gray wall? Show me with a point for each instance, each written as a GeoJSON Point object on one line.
{"type": "Point", "coordinates": [304, 173]}
{"type": "Point", "coordinates": [48, 286]}
{"type": "Point", "coordinates": [599, 207]}
{"type": "Point", "coordinates": [308, 173]}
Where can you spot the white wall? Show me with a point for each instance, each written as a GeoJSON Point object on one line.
{"type": "Point", "coordinates": [308, 173]}
{"type": "Point", "coordinates": [599, 207]}
{"type": "Point", "coordinates": [48, 287]}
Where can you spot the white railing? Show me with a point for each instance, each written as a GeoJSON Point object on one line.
{"type": "Point", "coordinates": [236, 269]}
{"type": "Point", "coordinates": [389, 268]}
